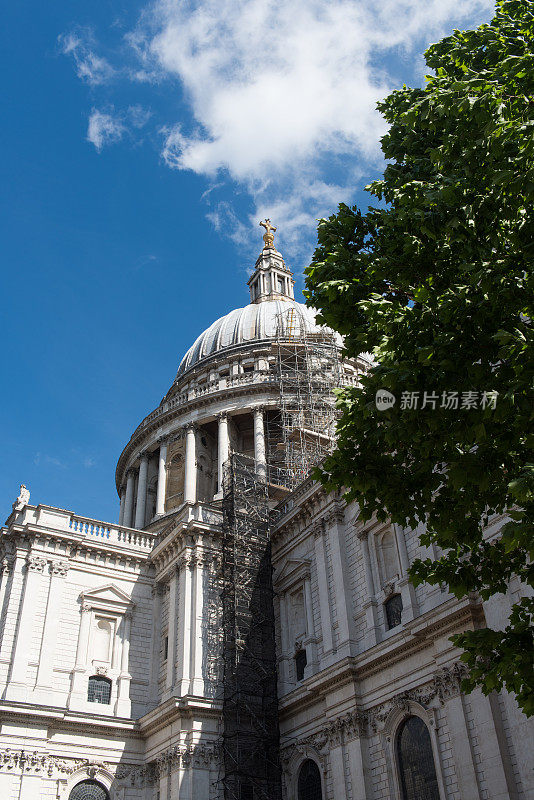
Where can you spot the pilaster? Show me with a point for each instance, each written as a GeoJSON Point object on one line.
{"type": "Point", "coordinates": [45, 678]}
{"type": "Point", "coordinates": [17, 688]}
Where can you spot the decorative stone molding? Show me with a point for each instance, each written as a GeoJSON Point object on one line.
{"type": "Point", "coordinates": [35, 563]}
{"type": "Point", "coordinates": [448, 681]}
{"type": "Point", "coordinates": [37, 763]}
{"type": "Point", "coordinates": [59, 568]}
{"type": "Point", "coordinates": [186, 561]}
{"type": "Point", "coordinates": [7, 566]}
{"type": "Point", "coordinates": [199, 755]}
{"type": "Point", "coordinates": [158, 589]}
{"type": "Point", "coordinates": [389, 587]}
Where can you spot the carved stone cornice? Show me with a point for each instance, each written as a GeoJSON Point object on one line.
{"type": "Point", "coordinates": [35, 563]}
{"type": "Point", "coordinates": [199, 755]}
{"type": "Point", "coordinates": [59, 568]}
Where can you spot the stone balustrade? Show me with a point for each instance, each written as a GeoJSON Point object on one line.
{"type": "Point", "coordinates": [220, 384]}
{"type": "Point", "coordinates": [43, 518]}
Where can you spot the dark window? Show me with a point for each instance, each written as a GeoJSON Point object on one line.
{"type": "Point", "coordinates": [99, 691]}
{"type": "Point", "coordinates": [309, 786]}
{"type": "Point", "coordinates": [300, 663]}
{"type": "Point", "coordinates": [165, 648]}
{"type": "Point", "coordinates": [393, 608]}
{"type": "Point", "coordinates": [416, 762]}
{"type": "Point", "coordinates": [89, 790]}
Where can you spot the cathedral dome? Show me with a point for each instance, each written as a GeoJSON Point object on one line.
{"type": "Point", "coordinates": [254, 322]}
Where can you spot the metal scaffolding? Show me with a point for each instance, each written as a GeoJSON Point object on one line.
{"type": "Point", "coordinates": [299, 436]}
{"type": "Point", "coordinates": [250, 736]}
{"type": "Point", "coordinates": [308, 370]}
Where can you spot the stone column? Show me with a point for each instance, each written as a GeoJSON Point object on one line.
{"type": "Point", "coordinates": [183, 660]}
{"type": "Point", "coordinates": [461, 745]}
{"type": "Point", "coordinates": [78, 689]}
{"type": "Point", "coordinates": [369, 605]}
{"type": "Point", "coordinates": [128, 502]}
{"type": "Point", "coordinates": [223, 451]}
{"type": "Point", "coordinates": [309, 641]}
{"type": "Point", "coordinates": [141, 492]}
{"type": "Point", "coordinates": [123, 706]}
{"type": "Point", "coordinates": [58, 573]}
{"type": "Point", "coordinates": [197, 627]}
{"type": "Point", "coordinates": [286, 656]}
{"type": "Point", "coordinates": [409, 601]}
{"type": "Point", "coordinates": [171, 631]}
{"type": "Point", "coordinates": [162, 478]}
{"type": "Point", "coordinates": [17, 688]}
{"type": "Point", "coordinates": [6, 573]}
{"type": "Point", "coordinates": [324, 602]}
{"type": "Point", "coordinates": [123, 502]}
{"type": "Point", "coordinates": [341, 582]}
{"type": "Point", "coordinates": [259, 442]}
{"type": "Point", "coordinates": [360, 772]}
{"type": "Point", "coordinates": [492, 744]}
{"type": "Point", "coordinates": [190, 483]}
{"type": "Point", "coordinates": [157, 593]}
{"type": "Point", "coordinates": [337, 766]}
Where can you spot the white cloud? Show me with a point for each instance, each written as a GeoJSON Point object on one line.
{"type": "Point", "coordinates": [103, 128]}
{"type": "Point", "coordinates": [281, 89]}
{"type": "Point", "coordinates": [90, 68]}
{"type": "Point", "coordinates": [276, 96]}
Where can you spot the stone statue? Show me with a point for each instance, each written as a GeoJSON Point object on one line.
{"type": "Point", "coordinates": [23, 499]}
{"type": "Point", "coordinates": [268, 237]}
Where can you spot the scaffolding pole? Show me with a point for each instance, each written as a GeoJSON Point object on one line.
{"type": "Point", "coordinates": [250, 736]}
{"type": "Point", "coordinates": [308, 370]}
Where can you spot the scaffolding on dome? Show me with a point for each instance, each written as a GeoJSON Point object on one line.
{"type": "Point", "coordinates": [308, 370]}
{"type": "Point", "coordinates": [250, 736]}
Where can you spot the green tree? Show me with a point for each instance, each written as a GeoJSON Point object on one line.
{"type": "Point", "coordinates": [437, 283]}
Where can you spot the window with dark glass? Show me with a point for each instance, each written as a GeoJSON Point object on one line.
{"type": "Point", "coordinates": [300, 664]}
{"type": "Point", "coordinates": [393, 609]}
{"type": "Point", "coordinates": [416, 761]}
{"type": "Point", "coordinates": [309, 783]}
{"type": "Point", "coordinates": [99, 689]}
{"type": "Point", "coordinates": [165, 648]}
{"type": "Point", "coordinates": [89, 790]}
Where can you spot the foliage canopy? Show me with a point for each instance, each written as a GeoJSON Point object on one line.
{"type": "Point", "coordinates": [437, 283]}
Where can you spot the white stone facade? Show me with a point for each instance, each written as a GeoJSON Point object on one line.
{"type": "Point", "coordinates": [130, 614]}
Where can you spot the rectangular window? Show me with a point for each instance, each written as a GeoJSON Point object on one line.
{"type": "Point", "coordinates": [166, 648]}
{"type": "Point", "coordinates": [300, 664]}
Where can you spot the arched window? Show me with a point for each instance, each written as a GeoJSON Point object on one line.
{"type": "Point", "coordinates": [416, 762]}
{"type": "Point", "coordinates": [99, 689]}
{"type": "Point", "coordinates": [393, 609]}
{"type": "Point", "coordinates": [89, 790]}
{"type": "Point", "coordinates": [309, 784]}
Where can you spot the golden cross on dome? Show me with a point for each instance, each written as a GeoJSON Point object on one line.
{"type": "Point", "coordinates": [268, 237]}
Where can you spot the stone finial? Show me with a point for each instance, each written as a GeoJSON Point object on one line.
{"type": "Point", "coordinates": [268, 236]}
{"type": "Point", "coordinates": [23, 499]}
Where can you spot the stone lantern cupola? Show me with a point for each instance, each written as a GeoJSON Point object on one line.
{"type": "Point", "coordinates": [271, 279]}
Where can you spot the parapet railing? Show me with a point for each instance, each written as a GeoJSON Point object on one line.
{"type": "Point", "coordinates": [49, 519]}
{"type": "Point", "coordinates": [228, 382]}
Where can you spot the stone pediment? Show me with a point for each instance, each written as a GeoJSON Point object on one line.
{"type": "Point", "coordinates": [108, 597]}
{"type": "Point", "coordinates": [294, 569]}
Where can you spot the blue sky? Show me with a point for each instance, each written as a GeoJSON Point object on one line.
{"type": "Point", "coordinates": [141, 144]}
